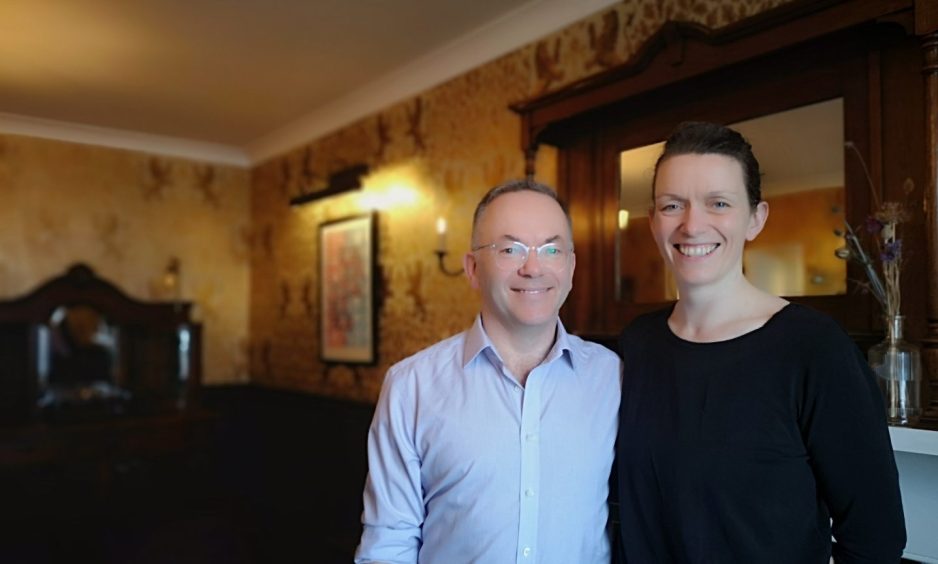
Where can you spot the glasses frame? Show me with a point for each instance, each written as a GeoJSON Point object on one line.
{"type": "Point", "coordinates": [527, 254]}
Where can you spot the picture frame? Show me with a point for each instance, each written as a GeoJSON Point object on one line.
{"type": "Point", "coordinates": [348, 290]}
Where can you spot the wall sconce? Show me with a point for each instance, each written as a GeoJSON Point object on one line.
{"type": "Point", "coordinates": [170, 278]}
{"type": "Point", "coordinates": [441, 248]}
{"type": "Point", "coordinates": [344, 180]}
{"type": "Point", "coordinates": [623, 219]}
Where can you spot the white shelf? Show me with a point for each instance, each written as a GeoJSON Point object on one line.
{"type": "Point", "coordinates": [916, 441]}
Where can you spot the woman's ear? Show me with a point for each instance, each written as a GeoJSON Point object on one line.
{"type": "Point", "coordinates": [757, 220]}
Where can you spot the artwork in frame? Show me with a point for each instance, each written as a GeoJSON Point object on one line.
{"type": "Point", "coordinates": [347, 275]}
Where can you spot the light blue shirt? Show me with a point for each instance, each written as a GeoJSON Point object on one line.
{"type": "Point", "coordinates": [466, 465]}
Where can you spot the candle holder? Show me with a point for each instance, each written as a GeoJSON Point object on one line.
{"type": "Point", "coordinates": [441, 255]}
{"type": "Point", "coordinates": [441, 248]}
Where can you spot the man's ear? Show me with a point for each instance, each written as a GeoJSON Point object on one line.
{"type": "Point", "coordinates": [469, 266]}
{"type": "Point", "coordinates": [572, 264]}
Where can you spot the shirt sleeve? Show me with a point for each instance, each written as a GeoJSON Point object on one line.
{"type": "Point", "coordinates": [393, 500]}
{"type": "Point", "coordinates": [845, 431]}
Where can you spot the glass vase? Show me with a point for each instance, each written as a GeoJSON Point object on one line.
{"type": "Point", "coordinates": [898, 367]}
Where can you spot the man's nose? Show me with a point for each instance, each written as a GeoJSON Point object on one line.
{"type": "Point", "coordinates": [532, 263]}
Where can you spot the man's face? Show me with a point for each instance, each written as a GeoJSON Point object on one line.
{"type": "Point", "coordinates": [522, 296]}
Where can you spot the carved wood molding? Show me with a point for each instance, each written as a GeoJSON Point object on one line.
{"type": "Point", "coordinates": [81, 285]}
{"type": "Point", "coordinates": [926, 17]}
{"type": "Point", "coordinates": [681, 50]}
{"type": "Point", "coordinates": [930, 342]}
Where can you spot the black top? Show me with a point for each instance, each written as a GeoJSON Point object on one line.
{"type": "Point", "coordinates": [743, 450]}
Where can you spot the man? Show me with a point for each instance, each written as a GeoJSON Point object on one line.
{"type": "Point", "coordinates": [495, 445]}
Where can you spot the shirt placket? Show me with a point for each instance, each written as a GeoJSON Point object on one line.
{"type": "Point", "coordinates": [530, 469]}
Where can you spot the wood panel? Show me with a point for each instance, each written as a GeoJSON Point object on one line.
{"type": "Point", "coordinates": [930, 204]}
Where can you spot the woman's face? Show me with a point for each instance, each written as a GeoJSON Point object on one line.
{"type": "Point", "coordinates": [701, 218]}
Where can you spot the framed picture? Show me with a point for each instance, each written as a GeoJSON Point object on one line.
{"type": "Point", "coordinates": [347, 276]}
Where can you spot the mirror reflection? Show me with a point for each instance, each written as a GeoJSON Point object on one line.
{"type": "Point", "coordinates": [800, 152]}
{"type": "Point", "coordinates": [77, 375]}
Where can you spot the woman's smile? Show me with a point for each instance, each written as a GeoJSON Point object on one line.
{"type": "Point", "coordinates": [696, 250]}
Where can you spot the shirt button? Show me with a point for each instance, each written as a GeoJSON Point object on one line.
{"type": "Point", "coordinates": [526, 552]}
{"type": "Point", "coordinates": [531, 437]}
{"type": "Point", "coordinates": [529, 492]}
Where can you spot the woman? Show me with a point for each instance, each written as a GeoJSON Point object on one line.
{"type": "Point", "coordinates": [748, 424]}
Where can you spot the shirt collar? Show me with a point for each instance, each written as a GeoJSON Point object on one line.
{"type": "Point", "coordinates": [477, 341]}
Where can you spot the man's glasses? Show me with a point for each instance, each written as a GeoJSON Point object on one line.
{"type": "Point", "coordinates": [511, 255]}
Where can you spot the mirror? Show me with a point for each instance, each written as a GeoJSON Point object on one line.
{"type": "Point", "coordinates": [77, 366]}
{"type": "Point", "coordinates": [801, 155]}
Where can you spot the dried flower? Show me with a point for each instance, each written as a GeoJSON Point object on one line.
{"type": "Point", "coordinates": [873, 225]}
{"type": "Point", "coordinates": [892, 251]}
{"type": "Point", "coordinates": [883, 228]}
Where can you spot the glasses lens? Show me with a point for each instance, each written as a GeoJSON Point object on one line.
{"type": "Point", "coordinates": [511, 254]}
{"type": "Point", "coordinates": [551, 254]}
{"type": "Point", "coordinates": [514, 254]}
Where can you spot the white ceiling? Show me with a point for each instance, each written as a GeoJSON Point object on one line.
{"type": "Point", "coordinates": [238, 81]}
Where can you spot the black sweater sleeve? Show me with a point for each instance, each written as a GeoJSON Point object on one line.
{"type": "Point", "coordinates": [843, 425]}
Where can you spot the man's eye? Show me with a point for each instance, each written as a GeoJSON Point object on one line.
{"type": "Point", "coordinates": [721, 204]}
{"type": "Point", "coordinates": [509, 250]}
{"type": "Point", "coordinates": [669, 207]}
{"type": "Point", "coordinates": [551, 251]}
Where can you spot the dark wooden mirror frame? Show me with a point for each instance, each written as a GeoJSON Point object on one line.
{"type": "Point", "coordinates": [873, 53]}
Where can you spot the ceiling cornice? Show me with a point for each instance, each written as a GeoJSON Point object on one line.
{"type": "Point", "coordinates": [123, 139]}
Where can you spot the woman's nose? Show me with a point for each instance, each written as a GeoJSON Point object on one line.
{"type": "Point", "coordinates": [694, 220]}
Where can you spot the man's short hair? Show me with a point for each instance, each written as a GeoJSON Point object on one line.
{"type": "Point", "coordinates": [521, 185]}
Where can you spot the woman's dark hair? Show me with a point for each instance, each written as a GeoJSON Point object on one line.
{"type": "Point", "coordinates": [703, 138]}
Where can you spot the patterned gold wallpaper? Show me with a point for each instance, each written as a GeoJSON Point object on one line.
{"type": "Point", "coordinates": [432, 155]}
{"type": "Point", "coordinates": [127, 215]}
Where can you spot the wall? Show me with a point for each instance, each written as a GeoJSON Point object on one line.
{"type": "Point", "coordinates": [126, 214]}
{"type": "Point", "coordinates": [806, 221]}
{"type": "Point", "coordinates": [433, 155]}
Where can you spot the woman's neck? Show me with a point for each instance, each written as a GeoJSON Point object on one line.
{"type": "Point", "coordinates": [717, 313]}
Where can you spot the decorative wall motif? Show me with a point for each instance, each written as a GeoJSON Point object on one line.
{"type": "Point", "coordinates": [458, 139]}
{"type": "Point", "coordinates": [547, 65]}
{"type": "Point", "coordinates": [205, 184]}
{"type": "Point", "coordinates": [414, 119]}
{"type": "Point", "coordinates": [603, 41]}
{"type": "Point", "coordinates": [158, 178]}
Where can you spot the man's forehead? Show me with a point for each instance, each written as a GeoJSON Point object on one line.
{"type": "Point", "coordinates": [526, 216]}
{"type": "Point", "coordinates": [524, 208]}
